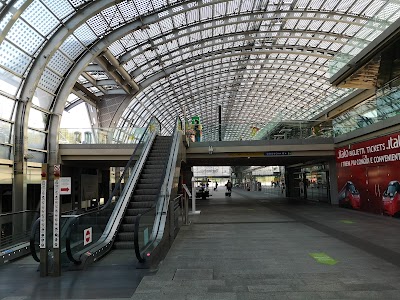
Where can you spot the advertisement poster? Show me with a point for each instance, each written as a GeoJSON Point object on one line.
{"type": "Point", "coordinates": [369, 175]}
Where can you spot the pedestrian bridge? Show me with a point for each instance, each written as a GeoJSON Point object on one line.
{"type": "Point", "coordinates": [230, 153]}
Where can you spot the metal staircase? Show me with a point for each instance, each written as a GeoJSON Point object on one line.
{"type": "Point", "coordinates": [146, 192]}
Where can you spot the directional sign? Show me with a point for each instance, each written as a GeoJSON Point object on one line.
{"type": "Point", "coordinates": [65, 186]}
{"type": "Point", "coordinates": [87, 236]}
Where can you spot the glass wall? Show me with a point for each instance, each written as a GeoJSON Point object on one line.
{"type": "Point", "coordinates": [384, 105]}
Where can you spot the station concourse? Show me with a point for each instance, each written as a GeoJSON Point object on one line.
{"type": "Point", "coordinates": [115, 114]}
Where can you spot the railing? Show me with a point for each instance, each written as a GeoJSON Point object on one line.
{"type": "Point", "coordinates": [285, 129]}
{"type": "Point", "coordinates": [384, 105]}
{"type": "Point", "coordinates": [149, 226]}
{"type": "Point", "coordinates": [16, 228]}
{"type": "Point", "coordinates": [100, 135]}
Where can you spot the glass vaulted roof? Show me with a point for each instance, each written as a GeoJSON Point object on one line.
{"type": "Point", "coordinates": [262, 61]}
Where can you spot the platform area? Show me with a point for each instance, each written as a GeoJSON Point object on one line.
{"type": "Point", "coordinates": [251, 246]}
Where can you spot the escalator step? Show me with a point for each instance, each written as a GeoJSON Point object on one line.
{"type": "Point", "coordinates": [147, 181]}
{"type": "Point", "coordinates": [126, 236]}
{"type": "Point", "coordinates": [144, 186]}
{"type": "Point", "coordinates": [146, 192]}
{"type": "Point", "coordinates": [124, 245]}
{"type": "Point", "coordinates": [129, 219]}
{"type": "Point", "coordinates": [127, 228]}
{"type": "Point", "coordinates": [135, 211]}
{"type": "Point", "coordinates": [152, 167]}
{"type": "Point", "coordinates": [145, 204]}
{"type": "Point", "coordinates": [151, 176]}
{"type": "Point", "coordinates": [143, 198]}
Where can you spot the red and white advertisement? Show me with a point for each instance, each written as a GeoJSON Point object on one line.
{"type": "Point", "coordinates": [369, 175]}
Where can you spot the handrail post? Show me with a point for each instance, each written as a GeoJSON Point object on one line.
{"type": "Point", "coordinates": [186, 207]}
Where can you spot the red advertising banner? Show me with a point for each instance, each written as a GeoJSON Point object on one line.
{"type": "Point", "coordinates": [369, 175]}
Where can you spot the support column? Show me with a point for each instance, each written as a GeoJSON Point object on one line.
{"type": "Point", "coordinates": [19, 195]}
{"type": "Point", "coordinates": [53, 159]}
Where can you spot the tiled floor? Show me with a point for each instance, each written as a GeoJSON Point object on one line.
{"type": "Point", "coordinates": [247, 247]}
{"type": "Point", "coordinates": [252, 246]}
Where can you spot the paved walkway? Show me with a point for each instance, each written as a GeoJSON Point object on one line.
{"type": "Point", "coordinates": [253, 247]}
{"type": "Point", "coordinates": [248, 247]}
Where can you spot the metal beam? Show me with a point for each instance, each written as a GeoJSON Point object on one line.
{"type": "Point", "coordinates": [94, 99]}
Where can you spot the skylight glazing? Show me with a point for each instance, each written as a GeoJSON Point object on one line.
{"type": "Point", "coordinates": [264, 59]}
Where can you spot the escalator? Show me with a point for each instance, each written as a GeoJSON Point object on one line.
{"type": "Point", "coordinates": [146, 191]}
{"type": "Point", "coordinates": [135, 220]}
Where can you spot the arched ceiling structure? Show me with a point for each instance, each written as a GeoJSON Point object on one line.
{"type": "Point", "coordinates": [260, 60]}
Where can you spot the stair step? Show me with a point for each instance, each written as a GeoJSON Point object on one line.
{"type": "Point", "coordinates": [129, 219]}
{"type": "Point", "coordinates": [152, 162]}
{"type": "Point", "coordinates": [142, 186]}
{"type": "Point", "coordinates": [146, 192]}
{"type": "Point", "coordinates": [135, 211]}
{"type": "Point", "coordinates": [127, 228]}
{"type": "Point", "coordinates": [141, 204]}
{"type": "Point", "coordinates": [126, 236]}
{"type": "Point", "coordinates": [124, 245]}
{"type": "Point", "coordinates": [150, 180]}
{"type": "Point", "coordinates": [154, 167]}
{"type": "Point", "coordinates": [152, 176]}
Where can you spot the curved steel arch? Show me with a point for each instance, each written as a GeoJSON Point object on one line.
{"type": "Point", "coordinates": [159, 58]}
{"type": "Point", "coordinates": [247, 33]}
{"type": "Point", "coordinates": [259, 98]}
{"type": "Point", "coordinates": [260, 17]}
{"type": "Point", "coordinates": [34, 75]}
{"type": "Point", "coordinates": [179, 66]}
{"type": "Point", "coordinates": [216, 69]}
{"type": "Point", "coordinates": [187, 79]}
{"type": "Point", "coordinates": [204, 87]}
{"type": "Point", "coordinates": [225, 39]}
{"type": "Point", "coordinates": [115, 35]}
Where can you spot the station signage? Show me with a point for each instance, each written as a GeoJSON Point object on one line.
{"type": "Point", "coordinates": [277, 153]}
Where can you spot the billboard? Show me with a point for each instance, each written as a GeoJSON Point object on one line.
{"type": "Point", "coordinates": [369, 175]}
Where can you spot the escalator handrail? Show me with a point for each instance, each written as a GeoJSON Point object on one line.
{"type": "Point", "coordinates": [18, 212]}
{"type": "Point", "coordinates": [137, 221]}
{"type": "Point", "coordinates": [68, 245]}
{"type": "Point", "coordinates": [32, 240]}
{"type": "Point", "coordinates": [72, 220]}
{"type": "Point", "coordinates": [116, 187]}
{"type": "Point", "coordinates": [136, 234]}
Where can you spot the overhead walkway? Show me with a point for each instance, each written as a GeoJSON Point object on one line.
{"type": "Point", "coordinates": [230, 153]}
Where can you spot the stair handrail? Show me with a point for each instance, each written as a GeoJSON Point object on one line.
{"type": "Point", "coordinates": [120, 203]}
{"type": "Point", "coordinates": [161, 200]}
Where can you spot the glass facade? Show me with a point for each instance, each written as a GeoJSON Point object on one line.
{"type": "Point", "coordinates": [385, 104]}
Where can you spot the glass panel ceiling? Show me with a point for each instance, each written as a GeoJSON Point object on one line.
{"type": "Point", "coordinates": [260, 60]}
